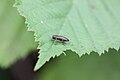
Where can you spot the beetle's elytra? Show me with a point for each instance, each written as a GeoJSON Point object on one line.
{"type": "Point", "coordinates": [60, 38]}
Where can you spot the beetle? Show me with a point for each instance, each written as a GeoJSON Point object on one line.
{"type": "Point", "coordinates": [60, 38]}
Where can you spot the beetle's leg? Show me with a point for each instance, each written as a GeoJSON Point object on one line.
{"type": "Point", "coordinates": [55, 41]}
{"type": "Point", "coordinates": [63, 42]}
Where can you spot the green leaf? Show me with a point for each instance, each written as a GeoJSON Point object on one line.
{"type": "Point", "coordinates": [90, 25]}
{"type": "Point", "coordinates": [15, 41]}
{"type": "Point", "coordinates": [88, 67]}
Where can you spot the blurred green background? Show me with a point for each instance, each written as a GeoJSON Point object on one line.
{"type": "Point", "coordinates": [88, 67]}
{"type": "Point", "coordinates": [16, 43]}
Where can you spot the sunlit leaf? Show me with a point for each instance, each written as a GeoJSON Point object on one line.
{"type": "Point", "coordinates": [90, 25]}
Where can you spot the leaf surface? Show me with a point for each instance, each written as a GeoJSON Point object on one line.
{"type": "Point", "coordinates": [90, 25]}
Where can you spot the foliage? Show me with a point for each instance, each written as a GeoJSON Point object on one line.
{"type": "Point", "coordinates": [91, 25]}
{"type": "Point", "coordinates": [15, 41]}
{"type": "Point", "coordinates": [88, 67]}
